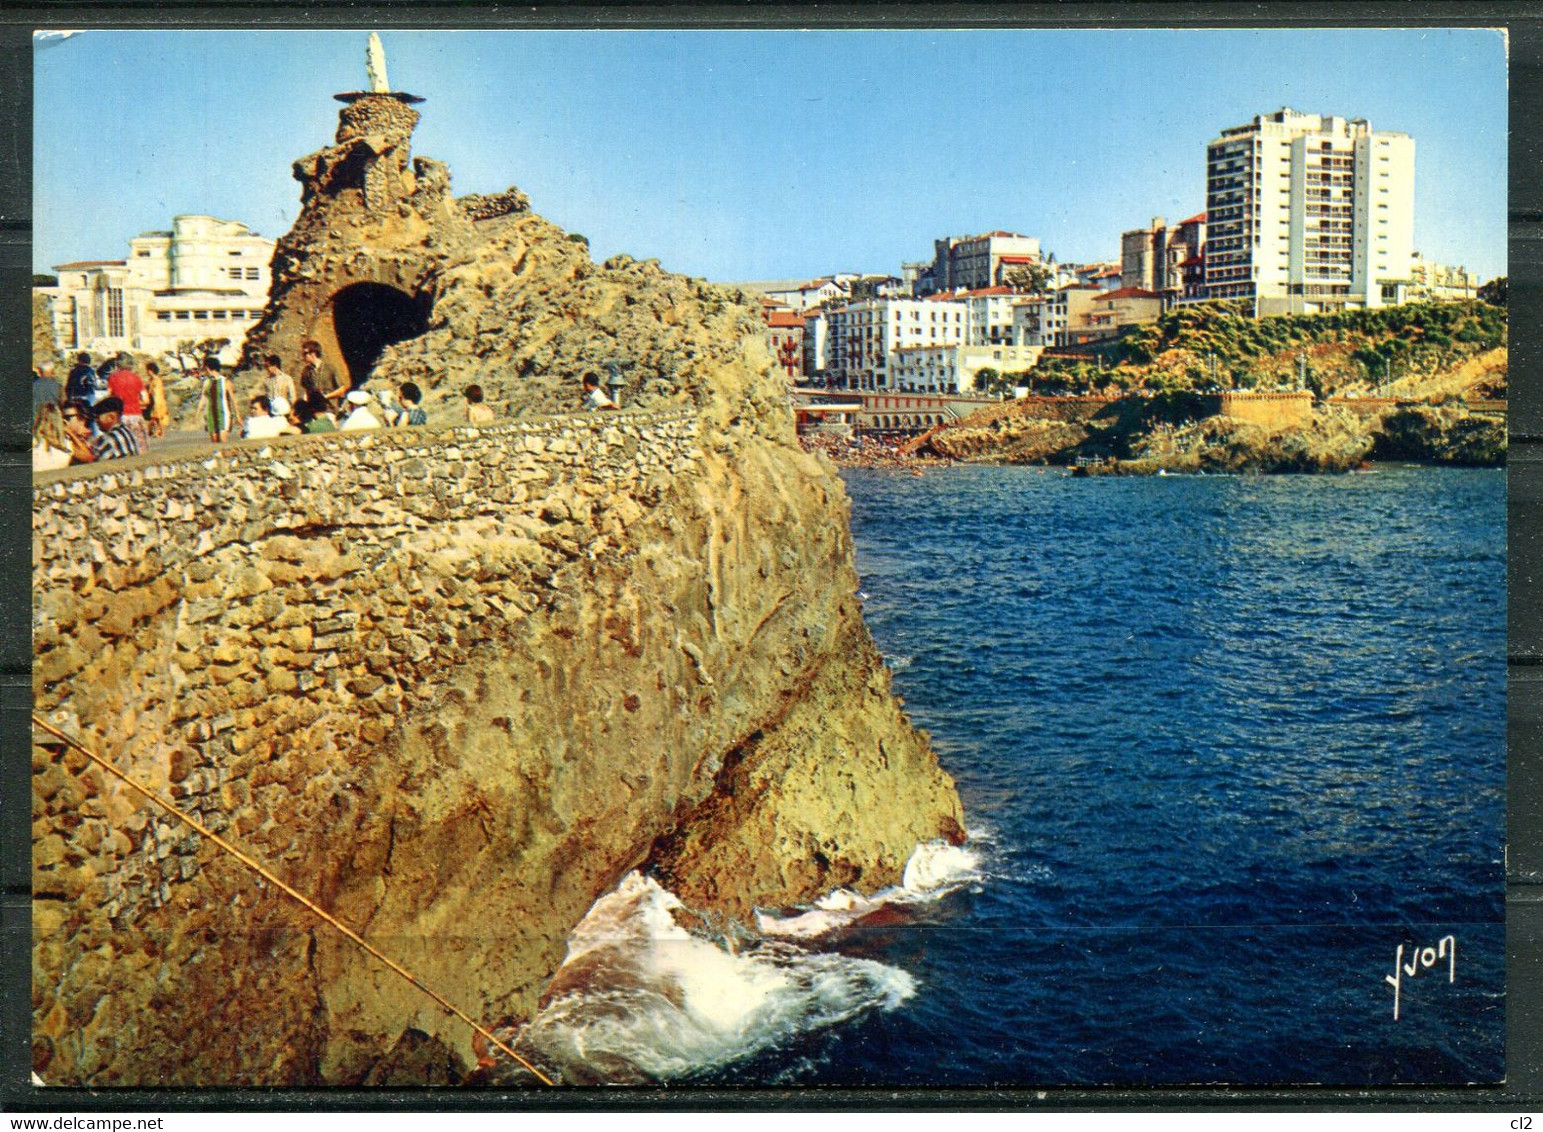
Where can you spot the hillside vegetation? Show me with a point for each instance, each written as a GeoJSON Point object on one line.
{"type": "Point", "coordinates": [1430, 361]}
{"type": "Point", "coordinates": [1401, 350]}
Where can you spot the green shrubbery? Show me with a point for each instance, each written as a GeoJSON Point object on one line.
{"type": "Point", "coordinates": [1197, 345]}
{"type": "Point", "coordinates": [1419, 334]}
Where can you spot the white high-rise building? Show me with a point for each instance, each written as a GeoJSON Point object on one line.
{"type": "Point", "coordinates": [1307, 212]}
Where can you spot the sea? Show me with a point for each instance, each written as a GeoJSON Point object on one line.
{"type": "Point", "coordinates": [1232, 755]}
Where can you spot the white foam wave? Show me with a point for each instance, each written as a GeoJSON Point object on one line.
{"type": "Point", "coordinates": [639, 998]}
{"type": "Point", "coordinates": [935, 869]}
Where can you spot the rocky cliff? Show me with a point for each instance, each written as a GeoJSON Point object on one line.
{"type": "Point", "coordinates": [453, 683]}
{"type": "Point", "coordinates": [1185, 432]}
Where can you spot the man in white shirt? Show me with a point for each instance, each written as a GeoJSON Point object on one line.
{"type": "Point", "coordinates": [359, 416]}
{"type": "Point", "coordinates": [596, 398]}
{"type": "Point", "coordinates": [261, 424]}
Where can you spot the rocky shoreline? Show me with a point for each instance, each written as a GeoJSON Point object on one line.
{"type": "Point", "coordinates": [1132, 441]}
{"type": "Point", "coordinates": [869, 452]}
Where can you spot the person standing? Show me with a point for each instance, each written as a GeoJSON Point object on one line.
{"type": "Point", "coordinates": [129, 388]}
{"type": "Point", "coordinates": [157, 411]}
{"type": "Point", "coordinates": [215, 403]}
{"type": "Point", "coordinates": [277, 384]}
{"type": "Point", "coordinates": [80, 383]}
{"type": "Point", "coordinates": [316, 375]}
{"type": "Point", "coordinates": [45, 389]}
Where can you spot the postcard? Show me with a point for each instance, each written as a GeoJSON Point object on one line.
{"type": "Point", "coordinates": [776, 558]}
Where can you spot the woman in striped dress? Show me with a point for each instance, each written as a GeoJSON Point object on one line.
{"type": "Point", "coordinates": [215, 402]}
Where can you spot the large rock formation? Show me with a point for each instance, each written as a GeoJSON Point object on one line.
{"type": "Point", "coordinates": [398, 280]}
{"type": "Point", "coordinates": [452, 683]}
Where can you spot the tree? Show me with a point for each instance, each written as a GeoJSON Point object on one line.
{"type": "Point", "coordinates": [1028, 277]}
{"type": "Point", "coordinates": [43, 347]}
{"type": "Point", "coordinates": [191, 352]}
{"type": "Point", "coordinates": [1494, 292]}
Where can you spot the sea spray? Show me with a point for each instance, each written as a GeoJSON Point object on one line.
{"type": "Point", "coordinates": [935, 869]}
{"type": "Point", "coordinates": [640, 998]}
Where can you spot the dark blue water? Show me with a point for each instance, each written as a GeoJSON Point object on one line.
{"type": "Point", "coordinates": [1228, 742]}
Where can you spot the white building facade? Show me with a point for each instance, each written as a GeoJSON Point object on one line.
{"type": "Point", "coordinates": [862, 337]}
{"type": "Point", "coordinates": [1440, 282]}
{"type": "Point", "coordinates": [1307, 212]}
{"type": "Point", "coordinates": [816, 335]}
{"type": "Point", "coordinates": [990, 320]}
{"type": "Point", "coordinates": [955, 369]}
{"type": "Point", "coordinates": [205, 278]}
{"type": "Point", "coordinates": [813, 293]}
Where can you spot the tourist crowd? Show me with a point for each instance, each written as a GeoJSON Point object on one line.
{"type": "Point", "coordinates": [110, 410]}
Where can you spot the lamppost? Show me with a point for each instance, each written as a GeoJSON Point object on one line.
{"type": "Point", "coordinates": [613, 382]}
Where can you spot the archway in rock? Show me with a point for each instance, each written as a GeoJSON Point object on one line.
{"type": "Point", "coordinates": [368, 317]}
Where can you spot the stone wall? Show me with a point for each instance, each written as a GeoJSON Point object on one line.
{"type": "Point", "coordinates": [453, 684]}
{"type": "Point", "coordinates": [1268, 410]}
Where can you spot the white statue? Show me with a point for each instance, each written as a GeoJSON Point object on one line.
{"type": "Point", "coordinates": [375, 64]}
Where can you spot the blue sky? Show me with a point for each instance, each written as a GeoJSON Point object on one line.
{"type": "Point", "coordinates": [740, 155]}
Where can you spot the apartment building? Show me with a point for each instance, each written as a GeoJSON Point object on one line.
{"type": "Point", "coordinates": [1153, 258]}
{"type": "Point", "coordinates": [862, 336]}
{"type": "Point", "coordinates": [970, 263]}
{"type": "Point", "coordinates": [1109, 313]}
{"type": "Point", "coordinates": [785, 335]}
{"type": "Point", "coordinates": [1042, 320]}
{"type": "Point", "coordinates": [1429, 280]}
{"type": "Point", "coordinates": [816, 336]}
{"type": "Point", "coordinates": [1307, 212]}
{"type": "Point", "coordinates": [204, 278]}
{"type": "Point", "coordinates": [811, 293]}
{"type": "Point", "coordinates": [990, 318]}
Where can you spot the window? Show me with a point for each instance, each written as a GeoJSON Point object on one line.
{"type": "Point", "coordinates": [251, 273]}
{"type": "Point", "coordinates": [115, 312]}
{"type": "Point", "coordinates": [201, 314]}
{"type": "Point", "coordinates": [164, 316]}
{"type": "Point", "coordinates": [183, 315]}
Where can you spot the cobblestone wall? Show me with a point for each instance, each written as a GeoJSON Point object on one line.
{"type": "Point", "coordinates": [236, 632]}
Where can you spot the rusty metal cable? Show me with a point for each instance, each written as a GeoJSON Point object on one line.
{"type": "Point", "coordinates": [267, 875]}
